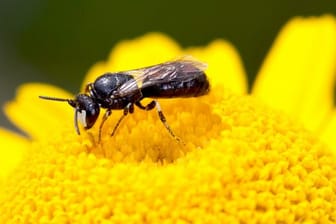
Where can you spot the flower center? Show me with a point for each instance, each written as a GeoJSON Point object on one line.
{"type": "Point", "coordinates": [142, 136]}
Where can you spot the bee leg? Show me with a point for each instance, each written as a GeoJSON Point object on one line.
{"type": "Point", "coordinates": [106, 115]}
{"type": "Point", "coordinates": [149, 106]}
{"type": "Point", "coordinates": [156, 104]}
{"type": "Point", "coordinates": [128, 109]}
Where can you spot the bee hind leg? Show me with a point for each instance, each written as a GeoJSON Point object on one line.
{"type": "Point", "coordinates": [162, 117]}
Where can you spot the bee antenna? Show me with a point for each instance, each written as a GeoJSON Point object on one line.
{"type": "Point", "coordinates": [53, 98]}
{"type": "Point", "coordinates": [70, 101]}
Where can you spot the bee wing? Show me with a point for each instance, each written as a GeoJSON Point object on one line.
{"type": "Point", "coordinates": [182, 69]}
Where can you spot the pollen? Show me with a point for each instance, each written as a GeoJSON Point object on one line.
{"type": "Point", "coordinates": [239, 162]}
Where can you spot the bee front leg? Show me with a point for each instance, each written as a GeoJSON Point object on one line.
{"type": "Point", "coordinates": [106, 115]}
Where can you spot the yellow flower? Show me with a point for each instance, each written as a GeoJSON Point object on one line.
{"type": "Point", "coordinates": [242, 162]}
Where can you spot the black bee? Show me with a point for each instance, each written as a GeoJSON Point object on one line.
{"type": "Point", "coordinates": [184, 77]}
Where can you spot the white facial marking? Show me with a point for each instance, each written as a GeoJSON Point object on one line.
{"type": "Point", "coordinates": [81, 115]}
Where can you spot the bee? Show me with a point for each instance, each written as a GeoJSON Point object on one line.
{"type": "Point", "coordinates": [184, 77]}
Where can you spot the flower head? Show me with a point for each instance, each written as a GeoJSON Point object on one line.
{"type": "Point", "coordinates": [241, 161]}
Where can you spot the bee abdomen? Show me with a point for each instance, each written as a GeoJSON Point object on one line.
{"type": "Point", "coordinates": [196, 86]}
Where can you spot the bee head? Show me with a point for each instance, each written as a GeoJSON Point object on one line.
{"type": "Point", "coordinates": [86, 109]}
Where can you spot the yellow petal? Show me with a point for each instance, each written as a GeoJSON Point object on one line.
{"type": "Point", "coordinates": [298, 74]}
{"type": "Point", "coordinates": [12, 148]}
{"type": "Point", "coordinates": [225, 66]}
{"type": "Point", "coordinates": [36, 117]}
{"type": "Point", "coordinates": [329, 131]}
